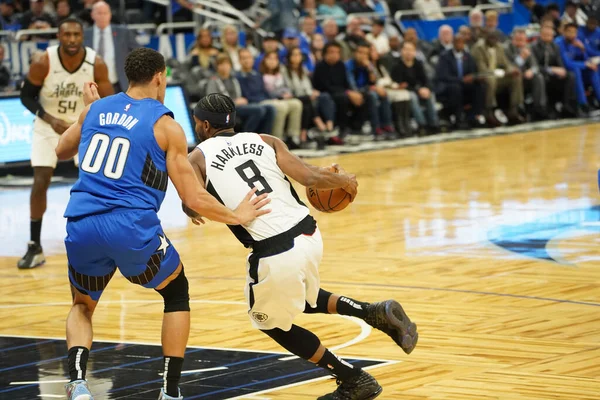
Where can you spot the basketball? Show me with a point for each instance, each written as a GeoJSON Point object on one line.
{"type": "Point", "coordinates": [328, 200]}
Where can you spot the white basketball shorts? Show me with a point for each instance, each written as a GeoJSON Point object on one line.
{"type": "Point", "coordinates": [43, 145]}
{"type": "Point", "coordinates": [286, 282]}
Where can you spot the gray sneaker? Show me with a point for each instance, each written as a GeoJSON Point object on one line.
{"type": "Point", "coordinates": [360, 387]}
{"type": "Point", "coordinates": [164, 396]}
{"type": "Point", "coordinates": [33, 258]}
{"type": "Point", "coordinates": [389, 317]}
{"type": "Point", "coordinates": [78, 390]}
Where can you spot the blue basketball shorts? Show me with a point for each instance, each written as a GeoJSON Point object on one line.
{"type": "Point", "coordinates": [131, 240]}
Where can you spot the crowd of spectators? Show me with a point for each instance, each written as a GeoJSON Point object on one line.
{"type": "Point", "coordinates": [330, 73]}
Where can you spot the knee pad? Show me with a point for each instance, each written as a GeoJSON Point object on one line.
{"type": "Point", "coordinates": [297, 340]}
{"type": "Point", "coordinates": [176, 294]}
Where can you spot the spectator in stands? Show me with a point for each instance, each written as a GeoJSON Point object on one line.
{"type": "Point", "coordinates": [589, 7]}
{"type": "Point", "coordinates": [378, 37]}
{"type": "Point", "coordinates": [318, 109]}
{"type": "Point", "coordinates": [112, 42]}
{"type": "Point", "coordinates": [358, 6]}
{"type": "Point", "coordinates": [309, 8]}
{"type": "Point", "coordinates": [316, 48]}
{"type": "Point", "coordinates": [291, 40]}
{"type": "Point", "coordinates": [269, 44]}
{"type": "Point", "coordinates": [536, 11]}
{"type": "Point", "coordinates": [553, 14]}
{"type": "Point", "coordinates": [422, 47]}
{"type": "Point", "coordinates": [203, 53]}
{"type": "Point", "coordinates": [467, 36]}
{"type": "Point", "coordinates": [330, 77]}
{"type": "Point", "coordinates": [589, 35]}
{"type": "Point", "coordinates": [443, 42]}
{"type": "Point", "coordinates": [476, 24]}
{"type": "Point", "coordinates": [63, 10]}
{"type": "Point", "coordinates": [331, 34]}
{"type": "Point", "coordinates": [255, 117]}
{"type": "Point", "coordinates": [308, 25]}
{"type": "Point", "coordinates": [560, 84]}
{"type": "Point", "coordinates": [429, 9]}
{"type": "Point", "coordinates": [501, 74]}
{"type": "Point", "coordinates": [398, 98]}
{"type": "Point", "coordinates": [85, 15]}
{"type": "Point", "coordinates": [390, 60]}
{"type": "Point", "coordinates": [519, 53]}
{"type": "Point", "coordinates": [457, 85]}
{"type": "Point", "coordinates": [410, 74]}
{"type": "Point", "coordinates": [282, 15]}
{"type": "Point", "coordinates": [576, 59]}
{"type": "Point", "coordinates": [9, 20]}
{"type": "Point", "coordinates": [573, 14]}
{"type": "Point", "coordinates": [363, 77]}
{"type": "Point", "coordinates": [4, 72]}
{"type": "Point", "coordinates": [230, 44]}
{"type": "Point", "coordinates": [36, 13]}
{"type": "Point", "coordinates": [288, 109]}
{"type": "Point", "coordinates": [354, 33]}
{"type": "Point", "coordinates": [329, 8]}
{"type": "Point", "coordinates": [491, 25]}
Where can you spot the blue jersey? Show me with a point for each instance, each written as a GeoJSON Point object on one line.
{"type": "Point", "coordinates": [121, 164]}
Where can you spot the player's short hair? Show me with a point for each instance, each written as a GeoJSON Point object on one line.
{"type": "Point", "coordinates": [142, 64]}
{"type": "Point", "coordinates": [217, 103]}
{"type": "Point", "coordinates": [70, 20]}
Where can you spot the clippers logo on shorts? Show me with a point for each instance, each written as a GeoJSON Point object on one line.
{"type": "Point", "coordinates": [260, 317]}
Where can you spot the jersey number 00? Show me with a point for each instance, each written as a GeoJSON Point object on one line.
{"type": "Point", "coordinates": [96, 154]}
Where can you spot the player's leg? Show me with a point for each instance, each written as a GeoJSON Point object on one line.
{"type": "Point", "coordinates": [354, 383]}
{"type": "Point", "coordinates": [37, 206]}
{"type": "Point", "coordinates": [148, 258]}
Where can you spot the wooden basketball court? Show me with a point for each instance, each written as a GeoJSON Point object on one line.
{"type": "Point", "coordinates": [490, 244]}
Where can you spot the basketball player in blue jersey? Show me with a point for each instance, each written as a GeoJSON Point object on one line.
{"type": "Point", "coordinates": [283, 276]}
{"type": "Point", "coordinates": [130, 146]}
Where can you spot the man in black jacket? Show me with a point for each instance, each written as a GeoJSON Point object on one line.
{"type": "Point", "coordinates": [330, 76]}
{"type": "Point", "coordinates": [560, 83]}
{"type": "Point", "coordinates": [457, 84]}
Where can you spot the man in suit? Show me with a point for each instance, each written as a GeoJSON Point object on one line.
{"type": "Point", "coordinates": [112, 42]}
{"type": "Point", "coordinates": [457, 84]}
{"type": "Point", "coordinates": [519, 53]}
{"type": "Point", "coordinates": [577, 60]}
{"type": "Point", "coordinates": [560, 83]}
{"type": "Point", "coordinates": [442, 43]}
{"type": "Point", "coordinates": [501, 74]}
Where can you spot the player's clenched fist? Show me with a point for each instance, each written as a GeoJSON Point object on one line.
{"type": "Point", "coordinates": [90, 93]}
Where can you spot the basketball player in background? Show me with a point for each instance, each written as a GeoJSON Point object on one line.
{"type": "Point", "coordinates": [283, 277]}
{"type": "Point", "coordinates": [52, 91]}
{"type": "Point", "coordinates": [130, 146]}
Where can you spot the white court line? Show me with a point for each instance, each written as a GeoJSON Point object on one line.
{"type": "Point", "coordinates": [365, 331]}
{"type": "Point", "coordinates": [308, 381]}
{"type": "Point", "coordinates": [30, 382]}
{"type": "Point", "coordinates": [195, 371]}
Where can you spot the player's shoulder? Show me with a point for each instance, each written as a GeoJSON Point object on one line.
{"type": "Point", "coordinates": [40, 57]}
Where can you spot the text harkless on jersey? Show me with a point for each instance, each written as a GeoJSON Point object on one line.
{"type": "Point", "coordinates": [231, 152]}
{"type": "Point", "coordinates": [68, 90]}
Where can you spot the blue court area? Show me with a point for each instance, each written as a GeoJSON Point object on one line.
{"type": "Point", "coordinates": [37, 368]}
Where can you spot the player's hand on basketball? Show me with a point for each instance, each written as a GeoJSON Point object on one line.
{"type": "Point", "coordinates": [252, 207]}
{"type": "Point", "coordinates": [352, 186]}
{"type": "Point", "coordinates": [59, 125]}
{"type": "Point", "coordinates": [90, 93]}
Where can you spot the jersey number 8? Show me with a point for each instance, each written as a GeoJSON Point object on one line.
{"type": "Point", "coordinates": [96, 154]}
{"type": "Point", "coordinates": [253, 177]}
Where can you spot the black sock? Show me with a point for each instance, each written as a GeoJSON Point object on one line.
{"type": "Point", "coordinates": [338, 367]}
{"type": "Point", "coordinates": [353, 308]}
{"type": "Point", "coordinates": [35, 227]}
{"type": "Point", "coordinates": [172, 375]}
{"type": "Point", "coordinates": [78, 357]}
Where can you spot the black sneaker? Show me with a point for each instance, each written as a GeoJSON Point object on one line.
{"type": "Point", "coordinates": [360, 387]}
{"type": "Point", "coordinates": [389, 317]}
{"type": "Point", "coordinates": [33, 258]}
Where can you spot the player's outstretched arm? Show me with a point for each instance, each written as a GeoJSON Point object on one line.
{"type": "Point", "coordinates": [105, 88]}
{"type": "Point", "coordinates": [68, 143]}
{"type": "Point", "coordinates": [310, 175]}
{"type": "Point", "coordinates": [191, 193]}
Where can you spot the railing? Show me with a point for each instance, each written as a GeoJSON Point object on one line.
{"type": "Point", "coordinates": [224, 7]}
{"type": "Point", "coordinates": [415, 13]}
{"type": "Point", "coordinates": [357, 15]}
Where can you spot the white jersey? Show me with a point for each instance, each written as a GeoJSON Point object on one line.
{"type": "Point", "coordinates": [235, 163]}
{"type": "Point", "coordinates": [62, 91]}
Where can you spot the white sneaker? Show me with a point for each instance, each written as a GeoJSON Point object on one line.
{"type": "Point", "coordinates": [164, 396]}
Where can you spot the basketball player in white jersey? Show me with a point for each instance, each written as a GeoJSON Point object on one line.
{"type": "Point", "coordinates": [283, 276]}
{"type": "Point", "coordinates": [53, 92]}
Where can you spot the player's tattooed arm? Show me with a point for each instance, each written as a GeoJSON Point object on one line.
{"type": "Point", "coordinates": [105, 88]}
{"type": "Point", "coordinates": [310, 175]}
{"type": "Point", "coordinates": [68, 143]}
